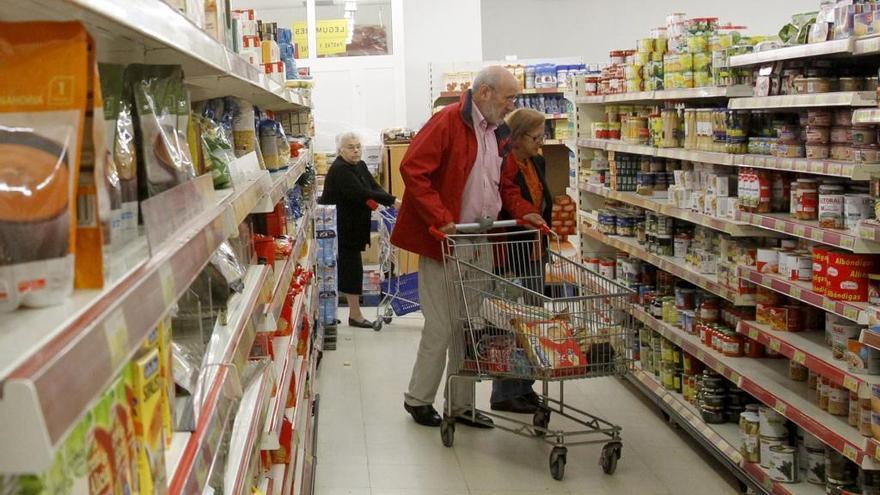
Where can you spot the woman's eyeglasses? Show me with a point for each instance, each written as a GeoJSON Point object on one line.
{"type": "Point", "coordinates": [539, 138]}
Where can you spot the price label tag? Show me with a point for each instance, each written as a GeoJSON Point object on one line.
{"type": "Point", "coordinates": [795, 292]}
{"type": "Point", "coordinates": [722, 370]}
{"type": "Point", "coordinates": [116, 332]}
{"type": "Point", "coordinates": [774, 345]}
{"type": "Point", "coordinates": [851, 312]}
{"type": "Point", "coordinates": [817, 235]}
{"type": "Point", "coordinates": [799, 357]}
{"type": "Point", "coordinates": [876, 453]}
{"type": "Point", "coordinates": [781, 407]}
{"type": "Point", "coordinates": [848, 242]}
{"type": "Point", "coordinates": [834, 168]}
{"type": "Point", "coordinates": [850, 452]}
{"type": "Point", "coordinates": [169, 289]}
{"type": "Point", "coordinates": [701, 356]}
{"type": "Point", "coordinates": [753, 333]}
{"type": "Point", "coordinates": [850, 383]}
{"type": "Point", "coordinates": [779, 224]}
{"type": "Point", "coordinates": [866, 232]}
{"type": "Point", "coordinates": [828, 305]}
{"type": "Point", "coordinates": [799, 230]}
{"type": "Point", "coordinates": [768, 484]}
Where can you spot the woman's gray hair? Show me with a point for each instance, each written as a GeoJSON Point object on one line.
{"type": "Point", "coordinates": [345, 136]}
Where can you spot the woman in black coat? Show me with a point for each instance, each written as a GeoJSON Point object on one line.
{"type": "Point", "coordinates": [349, 185]}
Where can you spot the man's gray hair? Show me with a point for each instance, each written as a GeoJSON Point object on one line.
{"type": "Point", "coordinates": [346, 136]}
{"type": "Point", "coordinates": [490, 76]}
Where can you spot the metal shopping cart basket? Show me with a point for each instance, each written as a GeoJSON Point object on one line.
{"type": "Point", "coordinates": [520, 310]}
{"type": "Point", "coordinates": [400, 291]}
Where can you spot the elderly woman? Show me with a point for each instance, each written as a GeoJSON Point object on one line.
{"type": "Point", "coordinates": [525, 167]}
{"type": "Point", "coordinates": [349, 186]}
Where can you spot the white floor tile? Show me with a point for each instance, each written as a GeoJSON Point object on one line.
{"type": "Point", "coordinates": [368, 444]}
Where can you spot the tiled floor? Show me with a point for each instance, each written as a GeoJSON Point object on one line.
{"type": "Point", "coordinates": [368, 445]}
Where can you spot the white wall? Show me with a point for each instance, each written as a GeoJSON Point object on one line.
{"type": "Point", "coordinates": [592, 28]}
{"type": "Point", "coordinates": [436, 31]}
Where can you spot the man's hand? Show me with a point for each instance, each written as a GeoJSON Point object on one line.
{"type": "Point", "coordinates": [397, 204]}
{"type": "Point", "coordinates": [448, 229]}
{"type": "Point", "coordinates": [534, 219]}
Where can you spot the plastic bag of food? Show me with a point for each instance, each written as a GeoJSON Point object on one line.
{"type": "Point", "coordinates": [244, 129]}
{"type": "Point", "coordinates": [217, 152]}
{"type": "Point", "coordinates": [121, 171]}
{"type": "Point", "coordinates": [44, 77]}
{"type": "Point", "coordinates": [162, 108]}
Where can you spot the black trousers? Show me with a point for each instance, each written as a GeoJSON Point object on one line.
{"type": "Point", "coordinates": [350, 270]}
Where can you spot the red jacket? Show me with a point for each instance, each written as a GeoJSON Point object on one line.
{"type": "Point", "coordinates": [435, 170]}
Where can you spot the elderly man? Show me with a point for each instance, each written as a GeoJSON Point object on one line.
{"type": "Point", "coordinates": [452, 173]}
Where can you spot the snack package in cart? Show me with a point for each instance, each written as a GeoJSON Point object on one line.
{"type": "Point", "coordinates": [551, 346]}
{"type": "Point", "coordinates": [505, 315]}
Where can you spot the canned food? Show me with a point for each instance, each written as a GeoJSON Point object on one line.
{"type": "Point", "coordinates": [831, 208]}
{"type": "Point", "coordinates": [766, 442]}
{"type": "Point", "coordinates": [817, 151]}
{"type": "Point", "coordinates": [767, 260]}
{"type": "Point", "coordinates": [842, 151]}
{"type": "Point", "coordinates": [857, 207]}
{"type": "Point", "coordinates": [866, 153]}
{"type": "Point", "coordinates": [841, 134]}
{"type": "Point", "coordinates": [848, 276]}
{"type": "Point", "coordinates": [862, 358]}
{"type": "Point", "coordinates": [841, 333]}
{"type": "Point", "coordinates": [784, 466]}
{"type": "Point", "coordinates": [818, 134]}
{"type": "Point", "coordinates": [864, 134]}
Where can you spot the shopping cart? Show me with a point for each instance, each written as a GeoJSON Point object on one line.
{"type": "Point", "coordinates": [400, 291]}
{"type": "Point", "coordinates": [519, 312]}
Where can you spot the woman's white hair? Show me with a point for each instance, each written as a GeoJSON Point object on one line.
{"type": "Point", "coordinates": [346, 136]}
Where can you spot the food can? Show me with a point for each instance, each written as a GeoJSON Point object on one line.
{"type": "Point", "coordinates": [804, 267]}
{"type": "Point", "coordinates": [766, 443]}
{"type": "Point", "coordinates": [816, 466]}
{"type": "Point", "coordinates": [593, 264]}
{"type": "Point", "coordinates": [797, 372]}
{"type": "Point", "coordinates": [784, 466]}
{"type": "Point", "coordinates": [767, 260]}
{"type": "Point", "coordinates": [837, 468]}
{"type": "Point", "coordinates": [606, 268]}
{"type": "Point", "coordinates": [681, 245]}
{"type": "Point", "coordinates": [831, 199]}
{"type": "Point", "coordinates": [841, 333]}
{"type": "Point", "coordinates": [862, 358]}
{"type": "Point", "coordinates": [787, 264]}
{"type": "Point", "coordinates": [684, 297]}
{"type": "Point", "coordinates": [848, 276]}
{"type": "Point", "coordinates": [772, 423]}
{"type": "Point", "coordinates": [857, 207]}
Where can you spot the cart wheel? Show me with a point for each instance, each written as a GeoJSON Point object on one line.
{"type": "Point", "coordinates": [557, 462]}
{"type": "Point", "coordinates": [610, 455]}
{"type": "Point", "coordinates": [389, 313]}
{"type": "Point", "coordinates": [447, 432]}
{"type": "Point", "coordinates": [387, 319]}
{"type": "Point", "coordinates": [541, 419]}
{"type": "Point", "coordinates": [377, 325]}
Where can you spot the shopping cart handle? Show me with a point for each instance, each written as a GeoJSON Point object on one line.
{"type": "Point", "coordinates": [372, 204]}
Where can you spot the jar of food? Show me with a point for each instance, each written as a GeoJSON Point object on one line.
{"type": "Point", "coordinates": [817, 134]}
{"type": "Point", "coordinates": [822, 393]}
{"type": "Point", "coordinates": [732, 344]}
{"type": "Point", "coordinates": [816, 85]}
{"type": "Point", "coordinates": [591, 84]}
{"type": "Point", "coordinates": [708, 310]}
{"type": "Point", "coordinates": [807, 198]}
{"type": "Point", "coordinates": [818, 151]}
{"type": "Point", "coordinates": [831, 206]}
{"type": "Point", "coordinates": [788, 132]}
{"type": "Point", "coordinates": [843, 152]}
{"type": "Point", "coordinates": [866, 153]}
{"type": "Point", "coordinates": [841, 134]}
{"type": "Point", "coordinates": [864, 134]}
{"type": "Point", "coordinates": [853, 418]}
{"type": "Point", "coordinates": [838, 400]}
{"type": "Point", "coordinates": [850, 84]}
{"type": "Point", "coordinates": [665, 245]}
{"type": "Point", "coordinates": [797, 372]}
{"type": "Point", "coordinates": [790, 149]}
{"type": "Point", "coordinates": [819, 117]}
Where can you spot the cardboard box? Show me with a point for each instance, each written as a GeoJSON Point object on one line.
{"type": "Point", "coordinates": [145, 398]}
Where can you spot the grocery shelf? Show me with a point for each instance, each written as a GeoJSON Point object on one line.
{"type": "Point", "coordinates": [527, 91]}
{"type": "Point", "coordinates": [805, 229]}
{"type": "Point", "coordinates": [767, 380]}
{"type": "Point", "coordinates": [861, 313]}
{"type": "Point", "coordinates": [835, 168]}
{"type": "Point", "coordinates": [224, 385]}
{"type": "Point", "coordinates": [151, 31]}
{"type": "Point", "coordinates": [246, 430]}
{"type": "Point", "coordinates": [556, 116]}
{"type": "Point", "coordinates": [675, 266]}
{"type": "Point", "coordinates": [736, 229]}
{"type": "Point", "coordinates": [637, 149]}
{"type": "Point", "coordinates": [825, 48]}
{"type": "Point", "coordinates": [808, 349]}
{"type": "Point", "coordinates": [271, 484]}
{"type": "Point", "coordinates": [283, 181]}
{"type": "Point", "coordinates": [55, 361]}
{"type": "Point", "coordinates": [836, 99]}
{"type": "Point", "coordinates": [723, 439]}
{"type": "Point", "coordinates": [696, 155]}
{"type": "Point", "coordinates": [667, 95]}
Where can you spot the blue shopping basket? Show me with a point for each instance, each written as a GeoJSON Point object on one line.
{"type": "Point", "coordinates": [403, 292]}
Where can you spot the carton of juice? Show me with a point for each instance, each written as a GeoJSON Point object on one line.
{"type": "Point", "coordinates": [145, 398]}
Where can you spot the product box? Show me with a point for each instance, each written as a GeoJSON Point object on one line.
{"type": "Point", "coordinates": [725, 185]}
{"type": "Point", "coordinates": [111, 449]}
{"type": "Point", "coordinates": [167, 377]}
{"type": "Point", "coordinates": [866, 23]}
{"type": "Point", "coordinates": [145, 397]}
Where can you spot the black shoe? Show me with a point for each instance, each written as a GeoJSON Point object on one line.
{"type": "Point", "coordinates": [423, 415]}
{"type": "Point", "coordinates": [360, 324]}
{"type": "Point", "coordinates": [482, 421]}
{"type": "Point", "coordinates": [519, 405]}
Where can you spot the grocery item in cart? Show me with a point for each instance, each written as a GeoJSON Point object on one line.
{"type": "Point", "coordinates": [162, 106]}
{"type": "Point", "coordinates": [506, 315]}
{"type": "Point", "coordinates": [41, 134]}
{"type": "Point", "coordinates": [551, 346]}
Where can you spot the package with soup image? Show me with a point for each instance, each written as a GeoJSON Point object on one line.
{"type": "Point", "coordinates": [162, 107]}
{"type": "Point", "coordinates": [41, 133]}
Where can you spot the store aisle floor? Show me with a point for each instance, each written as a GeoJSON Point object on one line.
{"type": "Point", "coordinates": [368, 445]}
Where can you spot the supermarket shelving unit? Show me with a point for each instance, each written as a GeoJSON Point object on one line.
{"type": "Point", "coordinates": [56, 362]}
{"type": "Point", "coordinates": [765, 379]}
